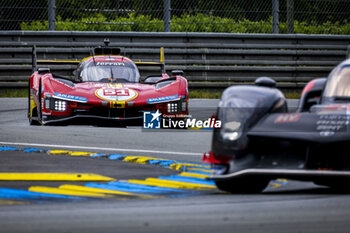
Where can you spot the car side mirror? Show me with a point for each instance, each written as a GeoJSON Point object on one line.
{"type": "Point", "coordinates": [152, 79]}
{"type": "Point", "coordinates": [43, 70]}
{"type": "Point", "coordinates": [177, 72]}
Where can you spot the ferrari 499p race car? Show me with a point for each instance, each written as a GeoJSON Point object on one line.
{"type": "Point", "coordinates": [106, 87]}
{"type": "Point", "coordinates": [260, 140]}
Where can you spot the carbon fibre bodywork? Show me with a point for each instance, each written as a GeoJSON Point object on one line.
{"type": "Point", "coordinates": [260, 140]}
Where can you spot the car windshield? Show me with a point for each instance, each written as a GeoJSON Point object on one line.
{"type": "Point", "coordinates": [338, 84]}
{"type": "Point", "coordinates": [110, 72]}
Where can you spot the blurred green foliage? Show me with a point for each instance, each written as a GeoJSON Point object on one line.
{"type": "Point", "coordinates": [184, 23]}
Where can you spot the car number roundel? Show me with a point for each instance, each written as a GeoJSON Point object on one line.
{"type": "Point", "coordinates": [116, 94]}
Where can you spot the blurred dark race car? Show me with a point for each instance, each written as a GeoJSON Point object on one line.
{"type": "Point", "coordinates": [260, 140]}
{"type": "Point", "coordinates": [106, 87]}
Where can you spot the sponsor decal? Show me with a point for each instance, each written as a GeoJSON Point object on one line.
{"type": "Point", "coordinates": [285, 118]}
{"type": "Point", "coordinates": [326, 133]}
{"type": "Point", "coordinates": [332, 123]}
{"type": "Point", "coordinates": [162, 99]}
{"type": "Point", "coordinates": [116, 94]}
{"type": "Point", "coordinates": [191, 123]}
{"type": "Point", "coordinates": [151, 119]}
{"type": "Point", "coordinates": [99, 63]}
{"type": "Point", "coordinates": [70, 97]}
{"type": "Point", "coordinates": [334, 109]}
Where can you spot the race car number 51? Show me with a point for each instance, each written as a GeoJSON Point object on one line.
{"type": "Point", "coordinates": [116, 92]}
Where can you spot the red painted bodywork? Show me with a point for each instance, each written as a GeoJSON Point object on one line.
{"type": "Point", "coordinates": [50, 85]}
{"type": "Point", "coordinates": [308, 87]}
{"type": "Point", "coordinates": [209, 158]}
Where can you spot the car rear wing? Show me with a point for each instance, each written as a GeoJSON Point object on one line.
{"type": "Point", "coordinates": [96, 51]}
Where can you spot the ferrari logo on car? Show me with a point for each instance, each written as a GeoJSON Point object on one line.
{"type": "Point", "coordinates": [116, 94]}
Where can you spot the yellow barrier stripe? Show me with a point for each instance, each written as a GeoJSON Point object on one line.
{"type": "Point", "coordinates": [80, 153]}
{"type": "Point", "coordinates": [178, 166]}
{"type": "Point", "coordinates": [197, 169]}
{"type": "Point", "coordinates": [157, 184]}
{"type": "Point", "coordinates": [144, 160]}
{"type": "Point", "coordinates": [182, 184]}
{"type": "Point", "coordinates": [53, 152]}
{"type": "Point", "coordinates": [8, 202]}
{"type": "Point", "coordinates": [98, 190]}
{"type": "Point", "coordinates": [139, 159]}
{"type": "Point", "coordinates": [195, 175]}
{"type": "Point", "coordinates": [53, 177]}
{"type": "Point", "coordinates": [72, 153]}
{"type": "Point", "coordinates": [130, 159]}
{"type": "Point", "coordinates": [51, 190]}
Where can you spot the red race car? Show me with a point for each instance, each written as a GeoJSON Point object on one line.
{"type": "Point", "coordinates": [106, 87]}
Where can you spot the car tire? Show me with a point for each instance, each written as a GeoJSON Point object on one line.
{"type": "Point", "coordinates": [244, 185]}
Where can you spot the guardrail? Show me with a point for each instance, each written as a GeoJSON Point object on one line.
{"type": "Point", "coordinates": [210, 60]}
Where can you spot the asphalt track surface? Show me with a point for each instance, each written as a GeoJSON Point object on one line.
{"type": "Point", "coordinates": [284, 207]}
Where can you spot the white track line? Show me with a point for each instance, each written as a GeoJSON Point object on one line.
{"type": "Point", "coordinates": [100, 148]}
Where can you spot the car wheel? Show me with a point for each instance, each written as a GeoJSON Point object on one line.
{"type": "Point", "coordinates": [244, 185]}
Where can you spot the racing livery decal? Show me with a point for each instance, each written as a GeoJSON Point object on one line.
{"type": "Point", "coordinates": [162, 99]}
{"type": "Point", "coordinates": [116, 94]}
{"type": "Point", "coordinates": [109, 90]}
{"type": "Point", "coordinates": [70, 97]}
{"type": "Point", "coordinates": [284, 118]}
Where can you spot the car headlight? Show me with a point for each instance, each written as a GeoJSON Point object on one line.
{"type": "Point", "coordinates": [60, 105]}
{"type": "Point", "coordinates": [176, 107]}
{"type": "Point", "coordinates": [231, 136]}
{"type": "Point", "coordinates": [55, 104]}
{"type": "Point", "coordinates": [172, 107]}
{"type": "Point", "coordinates": [231, 131]}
